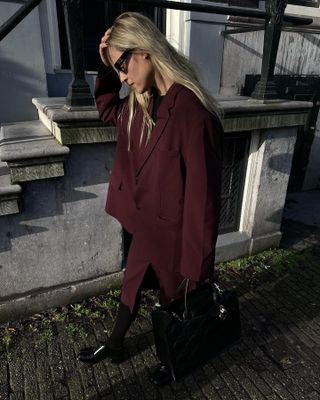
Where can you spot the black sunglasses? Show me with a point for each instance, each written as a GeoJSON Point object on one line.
{"type": "Point", "coordinates": [118, 65]}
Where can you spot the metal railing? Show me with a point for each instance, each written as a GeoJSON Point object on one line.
{"type": "Point", "coordinates": [17, 17]}
{"type": "Point", "coordinates": [79, 92]}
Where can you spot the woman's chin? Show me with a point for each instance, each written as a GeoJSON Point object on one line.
{"type": "Point", "coordinates": [141, 90]}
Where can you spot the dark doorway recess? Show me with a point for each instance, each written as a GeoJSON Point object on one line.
{"type": "Point", "coordinates": [98, 16]}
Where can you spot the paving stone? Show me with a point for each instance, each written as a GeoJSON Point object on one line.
{"type": "Point", "coordinates": [281, 391]}
{"type": "Point", "coordinates": [102, 380]}
{"type": "Point", "coordinates": [31, 387]}
{"type": "Point", "coordinates": [296, 392]}
{"type": "Point", "coordinates": [234, 386]}
{"type": "Point", "coordinates": [3, 372]}
{"type": "Point", "coordinates": [256, 378]}
{"type": "Point", "coordinates": [314, 396]}
{"type": "Point", "coordinates": [4, 391]}
{"type": "Point", "coordinates": [16, 374]}
{"type": "Point", "coordinates": [226, 394]}
{"type": "Point", "coordinates": [75, 389]}
{"type": "Point", "coordinates": [273, 396]}
{"type": "Point", "coordinates": [17, 396]}
{"type": "Point", "coordinates": [43, 372]}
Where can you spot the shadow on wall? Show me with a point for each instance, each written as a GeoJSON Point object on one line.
{"type": "Point", "coordinates": [253, 52]}
{"type": "Point", "coordinates": [61, 201]}
{"type": "Point", "coordinates": [281, 163]}
{"type": "Point", "coordinates": [19, 85]}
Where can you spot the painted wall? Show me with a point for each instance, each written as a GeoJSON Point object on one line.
{"type": "Point", "coordinates": [22, 69]}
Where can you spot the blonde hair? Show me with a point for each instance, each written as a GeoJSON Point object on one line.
{"type": "Point", "coordinates": [132, 30]}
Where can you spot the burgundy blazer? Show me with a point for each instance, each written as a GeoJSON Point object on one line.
{"type": "Point", "coordinates": [172, 184]}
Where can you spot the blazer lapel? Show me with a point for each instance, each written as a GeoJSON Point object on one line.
{"type": "Point", "coordinates": [163, 116]}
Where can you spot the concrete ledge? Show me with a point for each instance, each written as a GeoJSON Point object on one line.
{"type": "Point", "coordinates": [232, 245]}
{"type": "Point", "coordinates": [261, 243]}
{"type": "Point", "coordinates": [240, 114]}
{"type": "Point", "coordinates": [245, 114]}
{"type": "Point", "coordinates": [14, 309]}
{"type": "Point", "coordinates": [9, 206]}
{"type": "Point", "coordinates": [9, 194]}
{"type": "Point", "coordinates": [43, 170]}
{"type": "Point", "coordinates": [31, 152]}
{"type": "Point", "coordinates": [239, 244]}
{"type": "Point", "coordinates": [73, 126]}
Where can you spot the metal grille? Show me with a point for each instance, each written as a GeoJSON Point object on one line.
{"type": "Point", "coordinates": [235, 156]}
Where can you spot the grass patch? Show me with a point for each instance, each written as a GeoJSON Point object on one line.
{"type": "Point", "coordinates": [262, 267]}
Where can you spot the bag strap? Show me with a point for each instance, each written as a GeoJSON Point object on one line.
{"type": "Point", "coordinates": [216, 294]}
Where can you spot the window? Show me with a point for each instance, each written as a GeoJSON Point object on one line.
{"type": "Point", "coordinates": [98, 17]}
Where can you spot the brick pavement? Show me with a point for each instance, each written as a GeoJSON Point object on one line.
{"type": "Point", "coordinates": [277, 358]}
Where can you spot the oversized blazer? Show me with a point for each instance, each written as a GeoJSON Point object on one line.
{"type": "Point", "coordinates": [167, 194]}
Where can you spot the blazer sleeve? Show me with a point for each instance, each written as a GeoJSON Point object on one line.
{"type": "Point", "coordinates": [106, 94]}
{"type": "Point", "coordinates": [203, 162]}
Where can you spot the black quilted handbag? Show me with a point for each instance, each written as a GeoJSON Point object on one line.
{"type": "Point", "coordinates": [190, 330]}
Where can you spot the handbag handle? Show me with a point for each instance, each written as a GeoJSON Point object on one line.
{"type": "Point", "coordinates": [216, 293]}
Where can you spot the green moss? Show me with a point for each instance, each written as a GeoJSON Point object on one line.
{"type": "Point", "coordinates": [75, 331]}
{"type": "Point", "coordinates": [263, 266]}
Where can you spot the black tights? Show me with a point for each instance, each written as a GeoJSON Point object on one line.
{"type": "Point", "coordinates": [125, 317]}
{"type": "Point", "coordinates": [123, 321]}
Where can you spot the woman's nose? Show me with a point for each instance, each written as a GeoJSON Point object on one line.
{"type": "Point", "coordinates": [123, 77]}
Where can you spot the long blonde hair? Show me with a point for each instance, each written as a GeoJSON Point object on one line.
{"type": "Point", "coordinates": [132, 30]}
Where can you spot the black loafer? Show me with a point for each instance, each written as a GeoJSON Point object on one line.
{"type": "Point", "coordinates": [161, 376]}
{"type": "Point", "coordinates": [92, 355]}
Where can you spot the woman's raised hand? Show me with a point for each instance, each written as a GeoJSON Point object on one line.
{"type": "Point", "coordinates": [103, 46]}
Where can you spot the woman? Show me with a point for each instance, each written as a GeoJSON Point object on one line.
{"type": "Point", "coordinates": [165, 182]}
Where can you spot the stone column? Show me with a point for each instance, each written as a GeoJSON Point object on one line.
{"type": "Point", "coordinates": [266, 184]}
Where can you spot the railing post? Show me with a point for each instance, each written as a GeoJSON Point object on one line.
{"type": "Point", "coordinates": [79, 94]}
{"type": "Point", "coordinates": [266, 88]}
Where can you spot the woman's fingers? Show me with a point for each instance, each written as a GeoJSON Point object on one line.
{"type": "Point", "coordinates": [106, 36]}
{"type": "Point", "coordinates": [103, 46]}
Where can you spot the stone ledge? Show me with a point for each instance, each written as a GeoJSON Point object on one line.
{"type": "Point", "coordinates": [31, 152]}
{"type": "Point", "coordinates": [264, 242]}
{"type": "Point", "coordinates": [245, 114]}
{"type": "Point", "coordinates": [9, 194]}
{"type": "Point", "coordinates": [240, 114]}
{"type": "Point", "coordinates": [232, 245]}
{"type": "Point", "coordinates": [29, 304]}
{"type": "Point", "coordinates": [75, 126]}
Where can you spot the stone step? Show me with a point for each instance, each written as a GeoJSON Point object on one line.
{"type": "Point", "coordinates": [73, 126]}
{"type": "Point", "coordinates": [31, 151]}
{"type": "Point", "coordinates": [9, 193]}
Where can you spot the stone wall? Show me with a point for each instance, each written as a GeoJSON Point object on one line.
{"type": "Point", "coordinates": [63, 236]}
